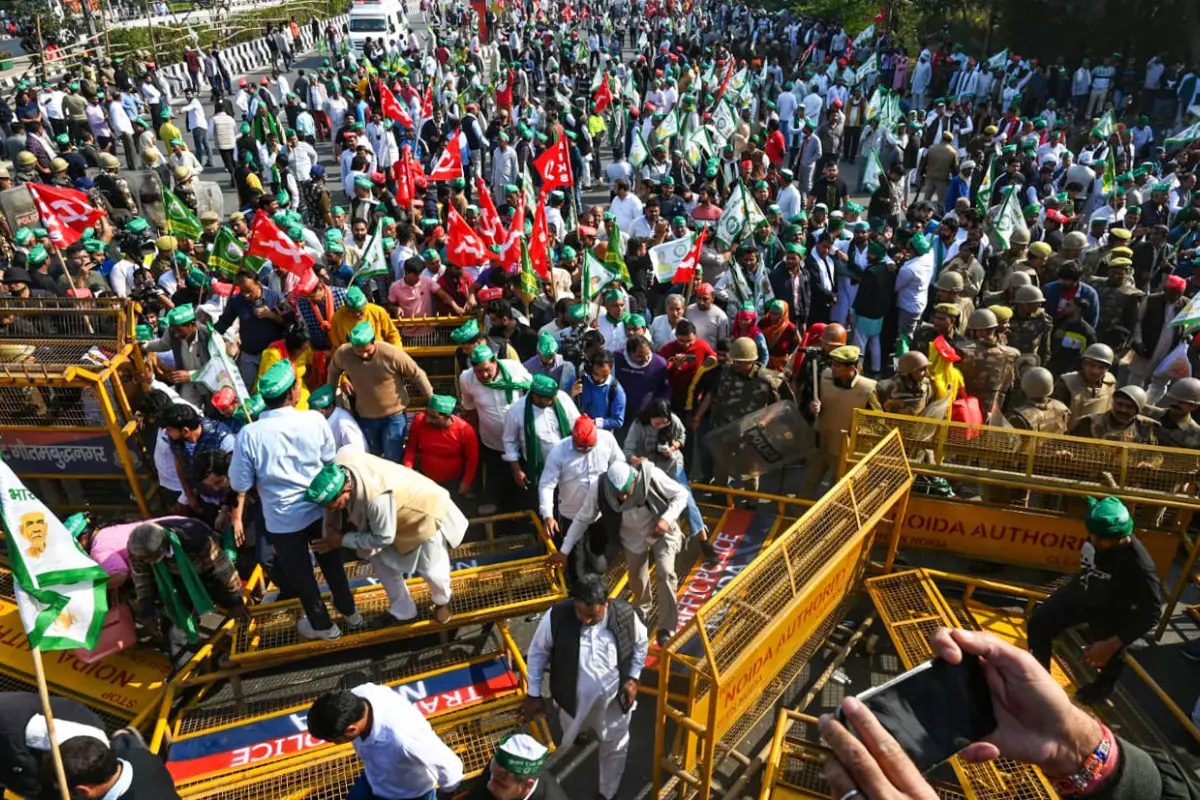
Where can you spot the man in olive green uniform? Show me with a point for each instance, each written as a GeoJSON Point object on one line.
{"type": "Point", "coordinates": [1095, 262]}
{"type": "Point", "coordinates": [742, 388]}
{"type": "Point", "coordinates": [948, 288]}
{"type": "Point", "coordinates": [1040, 412]}
{"type": "Point", "coordinates": [988, 367]}
{"type": "Point", "coordinates": [843, 389]}
{"type": "Point", "coordinates": [1090, 390]}
{"type": "Point", "coordinates": [1121, 423]}
{"type": "Point", "coordinates": [1011, 260]}
{"type": "Point", "coordinates": [1029, 330]}
{"type": "Point", "coordinates": [1176, 426]}
{"type": "Point", "coordinates": [944, 322]}
{"type": "Point", "coordinates": [910, 391]}
{"type": "Point", "coordinates": [1074, 243]}
{"type": "Point", "coordinates": [1119, 300]}
{"type": "Point", "coordinates": [966, 264]}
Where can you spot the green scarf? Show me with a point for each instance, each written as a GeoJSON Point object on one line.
{"type": "Point", "coordinates": [535, 459]}
{"type": "Point", "coordinates": [506, 382]}
{"type": "Point", "coordinates": [180, 616]}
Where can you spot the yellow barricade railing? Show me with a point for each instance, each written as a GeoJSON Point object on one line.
{"type": "Point", "coordinates": [428, 336]}
{"type": "Point", "coordinates": [67, 397]}
{"type": "Point", "coordinates": [744, 646]}
{"type": "Point", "coordinates": [1158, 483]}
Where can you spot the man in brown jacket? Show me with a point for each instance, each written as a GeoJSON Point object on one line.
{"type": "Point", "coordinates": [378, 374]}
{"type": "Point", "coordinates": [399, 519]}
{"type": "Point", "coordinates": [941, 162]}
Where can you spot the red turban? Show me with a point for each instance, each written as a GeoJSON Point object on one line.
{"type": "Point", "coordinates": [1177, 283]}
{"type": "Point", "coordinates": [583, 434]}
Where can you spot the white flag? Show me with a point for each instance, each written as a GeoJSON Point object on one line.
{"type": "Point", "coordinates": [1106, 126]}
{"type": "Point", "coordinates": [867, 70]}
{"type": "Point", "coordinates": [723, 121]}
{"type": "Point", "coordinates": [872, 172]}
{"type": "Point", "coordinates": [667, 257]}
{"type": "Point", "coordinates": [999, 60]}
{"type": "Point", "coordinates": [1185, 137]}
{"type": "Point", "coordinates": [595, 276]}
{"type": "Point", "coordinates": [631, 91]}
{"type": "Point", "coordinates": [220, 371]}
{"type": "Point", "coordinates": [638, 151]}
{"type": "Point", "coordinates": [668, 127]}
{"type": "Point", "coordinates": [61, 592]}
{"type": "Point", "coordinates": [863, 38]}
{"type": "Point", "coordinates": [739, 218]}
{"type": "Point", "coordinates": [373, 262]}
{"type": "Point", "coordinates": [739, 79]}
{"type": "Point", "coordinates": [1008, 219]}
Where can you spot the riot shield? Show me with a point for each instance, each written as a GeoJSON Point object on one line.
{"type": "Point", "coordinates": [763, 441]}
{"type": "Point", "coordinates": [19, 208]}
{"type": "Point", "coordinates": [146, 188]}
{"type": "Point", "coordinates": [209, 198]}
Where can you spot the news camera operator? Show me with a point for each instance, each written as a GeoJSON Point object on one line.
{"type": "Point", "coordinates": [1036, 724]}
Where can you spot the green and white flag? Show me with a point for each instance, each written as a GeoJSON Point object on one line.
{"type": "Point", "coordinates": [598, 78]}
{"type": "Point", "coordinates": [631, 91]}
{"type": "Point", "coordinates": [638, 151]}
{"type": "Point", "coordinates": [595, 276]}
{"type": "Point", "coordinates": [696, 147]}
{"type": "Point", "coordinates": [1008, 219]}
{"type": "Point", "coordinates": [668, 127]}
{"type": "Point", "coordinates": [740, 217]}
{"type": "Point", "coordinates": [180, 219]}
{"type": "Point", "coordinates": [226, 256]}
{"type": "Point", "coordinates": [867, 70]}
{"type": "Point", "coordinates": [983, 197]}
{"type": "Point", "coordinates": [61, 592]}
{"type": "Point", "coordinates": [872, 172]}
{"type": "Point", "coordinates": [739, 80]}
{"type": "Point", "coordinates": [1106, 126]}
{"type": "Point", "coordinates": [667, 256]}
{"type": "Point", "coordinates": [1189, 315]}
{"type": "Point", "coordinates": [723, 121]}
{"type": "Point", "coordinates": [220, 370]}
{"type": "Point", "coordinates": [999, 60]}
{"type": "Point", "coordinates": [1185, 137]}
{"type": "Point", "coordinates": [864, 37]}
{"type": "Point", "coordinates": [374, 261]}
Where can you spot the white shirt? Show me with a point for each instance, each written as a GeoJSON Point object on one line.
{"type": "Point", "coordinates": [402, 756]}
{"type": "Point", "coordinates": [912, 283]}
{"type": "Point", "coordinates": [626, 210]}
{"type": "Point", "coordinates": [790, 201]}
{"type": "Point", "coordinates": [574, 474]}
{"type": "Point", "coordinates": [194, 112]}
{"type": "Point", "coordinates": [545, 425]}
{"type": "Point", "coordinates": [711, 325]}
{"type": "Point", "coordinates": [662, 331]}
{"type": "Point", "coordinates": [490, 404]}
{"type": "Point", "coordinates": [346, 433]}
{"type": "Point", "coordinates": [614, 333]}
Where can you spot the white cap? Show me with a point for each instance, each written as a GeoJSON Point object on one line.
{"type": "Point", "coordinates": [620, 476]}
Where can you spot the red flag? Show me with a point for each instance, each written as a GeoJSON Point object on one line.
{"type": "Point", "coordinates": [403, 176]}
{"type": "Point", "coordinates": [66, 213]}
{"type": "Point", "coordinates": [881, 16]}
{"type": "Point", "coordinates": [539, 243]}
{"type": "Point", "coordinates": [490, 227]}
{"type": "Point", "coordinates": [568, 14]}
{"type": "Point", "coordinates": [427, 103]}
{"type": "Point", "coordinates": [449, 164]}
{"type": "Point", "coordinates": [393, 108]}
{"type": "Point", "coordinates": [464, 247]}
{"type": "Point", "coordinates": [554, 165]}
{"type": "Point", "coordinates": [603, 96]}
{"type": "Point", "coordinates": [269, 242]}
{"type": "Point", "coordinates": [686, 271]}
{"type": "Point", "coordinates": [510, 249]}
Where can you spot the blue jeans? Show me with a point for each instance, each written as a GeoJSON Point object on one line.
{"type": "Point", "coordinates": [362, 791]}
{"type": "Point", "coordinates": [385, 436]}
{"type": "Point", "coordinates": [695, 520]}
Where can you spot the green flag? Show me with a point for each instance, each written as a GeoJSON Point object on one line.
{"type": "Point", "coordinates": [529, 278]}
{"type": "Point", "coordinates": [668, 127]}
{"type": "Point", "coordinates": [872, 172]}
{"type": "Point", "coordinates": [1109, 181]}
{"type": "Point", "coordinates": [1008, 219]}
{"type": "Point", "coordinates": [1185, 137]}
{"type": "Point", "coordinates": [595, 276]}
{"type": "Point", "coordinates": [614, 255]}
{"type": "Point", "coordinates": [180, 219]}
{"type": "Point", "coordinates": [1106, 126]}
{"type": "Point", "coordinates": [638, 151]}
{"type": "Point", "coordinates": [374, 261]}
{"type": "Point", "coordinates": [264, 124]}
{"type": "Point", "coordinates": [226, 256]}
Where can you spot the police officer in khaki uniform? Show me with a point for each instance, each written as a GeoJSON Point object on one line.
{"type": "Point", "coordinates": [944, 322]}
{"type": "Point", "coordinates": [1040, 412]}
{"type": "Point", "coordinates": [1095, 262]}
{"type": "Point", "coordinates": [1176, 426]}
{"type": "Point", "coordinates": [1074, 243]}
{"type": "Point", "coordinates": [1011, 260]}
{"type": "Point", "coordinates": [742, 387]}
{"type": "Point", "coordinates": [1030, 328]}
{"type": "Point", "coordinates": [1119, 300]}
{"type": "Point", "coordinates": [1121, 423]}
{"type": "Point", "coordinates": [1007, 295]}
{"type": "Point", "coordinates": [966, 264]}
{"type": "Point", "coordinates": [843, 389]}
{"type": "Point", "coordinates": [1090, 390]}
{"type": "Point", "coordinates": [816, 359]}
{"type": "Point", "coordinates": [948, 288]}
{"type": "Point", "coordinates": [909, 391]}
{"type": "Point", "coordinates": [988, 367]}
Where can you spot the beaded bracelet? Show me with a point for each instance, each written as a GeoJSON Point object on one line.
{"type": "Point", "coordinates": [1096, 768]}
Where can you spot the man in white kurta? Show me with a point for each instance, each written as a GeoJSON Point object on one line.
{"type": "Point", "coordinates": [605, 691]}
{"type": "Point", "coordinates": [346, 432]}
{"type": "Point", "coordinates": [486, 391]}
{"type": "Point", "coordinates": [403, 522]}
{"type": "Point", "coordinates": [548, 414]}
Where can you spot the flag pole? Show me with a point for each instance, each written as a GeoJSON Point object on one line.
{"type": "Point", "coordinates": [39, 673]}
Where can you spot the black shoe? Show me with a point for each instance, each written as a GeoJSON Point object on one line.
{"type": "Point", "coordinates": [662, 637]}
{"type": "Point", "coordinates": [1093, 693]}
{"type": "Point", "coordinates": [710, 555]}
{"type": "Point", "coordinates": [583, 739]}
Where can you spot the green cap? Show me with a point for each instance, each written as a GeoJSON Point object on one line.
{"type": "Point", "coordinates": [543, 385]}
{"type": "Point", "coordinates": [76, 524]}
{"type": "Point", "coordinates": [920, 244]}
{"type": "Point", "coordinates": [547, 345]}
{"type": "Point", "coordinates": [482, 354]}
{"type": "Point", "coordinates": [23, 236]}
{"type": "Point", "coordinates": [356, 299]}
{"type": "Point", "coordinates": [442, 403]}
{"type": "Point", "coordinates": [335, 247]}
{"type": "Point", "coordinates": [1108, 519]}
{"type": "Point", "coordinates": [63, 139]}
{"type": "Point", "coordinates": [196, 278]}
{"type": "Point", "coordinates": [321, 397]}
{"type": "Point", "coordinates": [38, 255]}
{"type": "Point", "coordinates": [93, 245]}
{"type": "Point", "coordinates": [467, 332]}
{"type": "Point", "coordinates": [256, 406]}
{"type": "Point", "coordinates": [277, 380]}
{"type": "Point", "coordinates": [635, 321]}
{"type": "Point", "coordinates": [577, 313]}
{"type": "Point", "coordinates": [137, 225]}
{"type": "Point", "coordinates": [511, 188]}
{"type": "Point", "coordinates": [362, 334]}
{"type": "Point", "coordinates": [182, 315]}
{"type": "Point", "coordinates": [144, 333]}
{"type": "Point", "coordinates": [326, 485]}
{"type": "Point", "coordinates": [566, 253]}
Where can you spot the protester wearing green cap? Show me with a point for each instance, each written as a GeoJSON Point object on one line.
{"type": "Point", "coordinates": [487, 389]}
{"type": "Point", "coordinates": [406, 521]}
{"type": "Point", "coordinates": [346, 432]}
{"type": "Point", "coordinates": [357, 309]}
{"type": "Point", "coordinates": [378, 371]}
{"type": "Point", "coordinates": [1117, 594]}
{"type": "Point", "coordinates": [533, 425]}
{"type": "Point", "coordinates": [517, 772]}
{"type": "Point", "coordinates": [548, 361]}
{"type": "Point", "coordinates": [443, 446]}
{"type": "Point", "coordinates": [278, 455]}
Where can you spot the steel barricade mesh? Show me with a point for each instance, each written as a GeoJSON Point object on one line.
{"type": "Point", "coordinates": [1031, 459]}
{"type": "Point", "coordinates": [266, 694]}
{"type": "Point", "coordinates": [442, 384]}
{"type": "Point", "coordinates": [801, 766]}
{"type": "Point", "coordinates": [6, 582]}
{"type": "Point", "coordinates": [428, 332]}
{"type": "Point", "coordinates": [912, 608]}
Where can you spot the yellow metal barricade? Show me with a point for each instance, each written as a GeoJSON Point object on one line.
{"type": "Point", "coordinates": [427, 340]}
{"type": "Point", "coordinates": [68, 388]}
{"type": "Point", "coordinates": [745, 646]}
{"type": "Point", "coordinates": [1157, 483]}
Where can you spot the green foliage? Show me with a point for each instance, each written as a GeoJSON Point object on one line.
{"type": "Point", "coordinates": [169, 41]}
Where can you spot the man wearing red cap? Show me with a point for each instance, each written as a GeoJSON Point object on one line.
{"type": "Point", "coordinates": [712, 323]}
{"type": "Point", "coordinates": [1154, 336]}
{"type": "Point", "coordinates": [573, 467]}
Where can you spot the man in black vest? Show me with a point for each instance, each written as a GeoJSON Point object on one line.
{"type": "Point", "coordinates": [595, 648]}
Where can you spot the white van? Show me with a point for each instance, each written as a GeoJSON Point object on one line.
{"type": "Point", "coordinates": [372, 19]}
